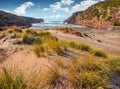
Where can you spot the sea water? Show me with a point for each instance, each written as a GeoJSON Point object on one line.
{"type": "Point", "coordinates": [53, 24]}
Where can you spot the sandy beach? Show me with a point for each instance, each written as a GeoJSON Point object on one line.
{"type": "Point", "coordinates": [21, 56]}
{"type": "Point", "coordinates": [105, 40]}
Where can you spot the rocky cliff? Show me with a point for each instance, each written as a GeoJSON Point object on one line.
{"type": "Point", "coordinates": [33, 20]}
{"type": "Point", "coordinates": [8, 19]}
{"type": "Point", "coordinates": [103, 15]}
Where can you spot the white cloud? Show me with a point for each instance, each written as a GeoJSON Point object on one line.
{"type": "Point", "coordinates": [59, 6]}
{"type": "Point", "coordinates": [83, 5]}
{"type": "Point", "coordinates": [63, 5]}
{"type": "Point", "coordinates": [45, 9]}
{"type": "Point", "coordinates": [65, 9]}
{"type": "Point", "coordinates": [58, 16]}
{"type": "Point", "coordinates": [21, 10]}
{"type": "Point", "coordinates": [67, 2]}
{"type": "Point", "coordinates": [55, 7]}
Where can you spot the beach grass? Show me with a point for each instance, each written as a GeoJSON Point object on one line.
{"type": "Point", "coordinates": [43, 43]}
{"type": "Point", "coordinates": [90, 73]}
{"type": "Point", "coordinates": [11, 80]}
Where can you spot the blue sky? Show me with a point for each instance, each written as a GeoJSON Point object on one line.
{"type": "Point", "coordinates": [49, 10]}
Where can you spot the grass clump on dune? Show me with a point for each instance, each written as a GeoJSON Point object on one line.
{"type": "Point", "coordinates": [11, 30]}
{"type": "Point", "coordinates": [84, 47]}
{"type": "Point", "coordinates": [79, 46]}
{"type": "Point", "coordinates": [49, 47]}
{"type": "Point", "coordinates": [66, 30]}
{"type": "Point", "coordinates": [9, 80]}
{"type": "Point", "coordinates": [28, 36]}
{"type": "Point", "coordinates": [54, 79]}
{"type": "Point", "coordinates": [114, 65]}
{"type": "Point", "coordinates": [55, 46]}
{"type": "Point", "coordinates": [100, 54]}
{"type": "Point", "coordinates": [74, 45]}
{"type": "Point", "coordinates": [50, 44]}
{"type": "Point", "coordinates": [89, 73]}
{"type": "Point", "coordinates": [45, 44]}
{"type": "Point", "coordinates": [25, 37]}
{"type": "Point", "coordinates": [41, 50]}
{"type": "Point", "coordinates": [38, 49]}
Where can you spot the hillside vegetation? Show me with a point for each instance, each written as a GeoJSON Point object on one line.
{"type": "Point", "coordinates": [103, 15]}
{"type": "Point", "coordinates": [8, 19]}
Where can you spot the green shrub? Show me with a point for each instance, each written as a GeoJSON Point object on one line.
{"type": "Point", "coordinates": [116, 23]}
{"type": "Point", "coordinates": [36, 49]}
{"type": "Point", "coordinates": [109, 18]}
{"type": "Point", "coordinates": [74, 45]}
{"type": "Point", "coordinates": [1, 29]}
{"type": "Point", "coordinates": [100, 54]}
{"type": "Point", "coordinates": [29, 37]}
{"type": "Point", "coordinates": [32, 32]}
{"type": "Point", "coordinates": [86, 48]}
{"type": "Point", "coordinates": [49, 43]}
{"type": "Point", "coordinates": [49, 47]}
{"type": "Point", "coordinates": [10, 31]}
{"type": "Point", "coordinates": [64, 45]}
{"type": "Point", "coordinates": [44, 34]}
{"type": "Point", "coordinates": [25, 37]}
{"type": "Point", "coordinates": [66, 30]}
{"type": "Point", "coordinates": [79, 46]}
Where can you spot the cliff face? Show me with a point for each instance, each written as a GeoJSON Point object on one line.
{"type": "Point", "coordinates": [33, 20]}
{"type": "Point", "coordinates": [8, 19]}
{"type": "Point", "coordinates": [103, 15]}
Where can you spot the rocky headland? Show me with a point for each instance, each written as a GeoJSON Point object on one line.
{"type": "Point", "coordinates": [103, 15]}
{"type": "Point", "coordinates": [8, 19]}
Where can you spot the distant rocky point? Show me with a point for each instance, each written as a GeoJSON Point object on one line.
{"type": "Point", "coordinates": [33, 20]}
{"type": "Point", "coordinates": [8, 19]}
{"type": "Point", "coordinates": [103, 15]}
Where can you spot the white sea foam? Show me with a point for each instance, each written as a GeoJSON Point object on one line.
{"type": "Point", "coordinates": [53, 24]}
